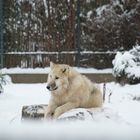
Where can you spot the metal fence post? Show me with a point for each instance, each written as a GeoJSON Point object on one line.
{"type": "Point", "coordinates": [1, 33]}
{"type": "Point", "coordinates": [78, 36]}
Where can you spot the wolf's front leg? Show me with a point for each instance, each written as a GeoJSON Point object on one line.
{"type": "Point", "coordinates": [50, 110]}
{"type": "Point", "coordinates": [64, 108]}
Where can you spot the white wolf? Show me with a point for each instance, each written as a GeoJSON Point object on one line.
{"type": "Point", "coordinates": [69, 90]}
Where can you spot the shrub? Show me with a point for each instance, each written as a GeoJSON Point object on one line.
{"type": "Point", "coordinates": [126, 66]}
{"type": "Point", "coordinates": [2, 81]}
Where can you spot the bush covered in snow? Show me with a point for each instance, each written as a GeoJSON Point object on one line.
{"type": "Point", "coordinates": [4, 79]}
{"type": "Point", "coordinates": [126, 66]}
{"type": "Point", "coordinates": [1, 83]}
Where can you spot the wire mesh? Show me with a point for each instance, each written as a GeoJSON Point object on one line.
{"type": "Point", "coordinates": [65, 31]}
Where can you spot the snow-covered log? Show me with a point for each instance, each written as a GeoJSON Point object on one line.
{"type": "Point", "coordinates": [36, 112]}
{"type": "Point", "coordinates": [33, 112]}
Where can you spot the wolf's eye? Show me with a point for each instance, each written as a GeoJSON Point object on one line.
{"type": "Point", "coordinates": [56, 77]}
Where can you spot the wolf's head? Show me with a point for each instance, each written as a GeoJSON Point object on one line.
{"type": "Point", "coordinates": [58, 77]}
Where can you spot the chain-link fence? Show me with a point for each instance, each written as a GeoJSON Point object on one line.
{"type": "Point", "coordinates": [75, 32]}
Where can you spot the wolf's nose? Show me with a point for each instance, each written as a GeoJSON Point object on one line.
{"type": "Point", "coordinates": [48, 87]}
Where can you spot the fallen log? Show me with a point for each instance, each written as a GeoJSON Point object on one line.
{"type": "Point", "coordinates": [33, 112]}
{"type": "Point", "coordinates": [36, 112]}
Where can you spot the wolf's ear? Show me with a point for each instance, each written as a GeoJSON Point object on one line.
{"type": "Point", "coordinates": [65, 69]}
{"type": "Point", "coordinates": [52, 65]}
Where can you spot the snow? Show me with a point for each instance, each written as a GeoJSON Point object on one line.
{"type": "Point", "coordinates": [46, 8]}
{"type": "Point", "coordinates": [101, 9]}
{"type": "Point", "coordinates": [121, 60]}
{"type": "Point", "coordinates": [122, 101]}
{"type": "Point", "coordinates": [127, 63]}
{"type": "Point", "coordinates": [62, 52]}
{"type": "Point", "coordinates": [120, 110]}
{"type": "Point", "coordinates": [47, 69]}
{"type": "Point", "coordinates": [15, 96]}
{"type": "Point", "coordinates": [89, 14]}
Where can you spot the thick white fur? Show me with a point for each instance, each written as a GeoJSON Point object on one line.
{"type": "Point", "coordinates": [73, 90]}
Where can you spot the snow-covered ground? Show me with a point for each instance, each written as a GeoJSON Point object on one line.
{"type": "Point", "coordinates": [47, 69]}
{"type": "Point", "coordinates": [120, 115]}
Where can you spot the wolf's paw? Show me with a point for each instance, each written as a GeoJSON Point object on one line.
{"type": "Point", "coordinates": [57, 113]}
{"type": "Point", "coordinates": [48, 115]}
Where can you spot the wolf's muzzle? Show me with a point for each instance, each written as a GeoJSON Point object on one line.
{"type": "Point", "coordinates": [51, 87]}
